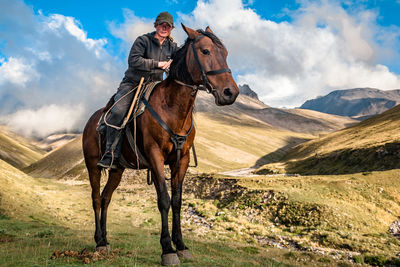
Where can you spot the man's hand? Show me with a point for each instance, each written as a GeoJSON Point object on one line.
{"type": "Point", "coordinates": [164, 64]}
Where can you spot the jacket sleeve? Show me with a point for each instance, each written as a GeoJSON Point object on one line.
{"type": "Point", "coordinates": [136, 58]}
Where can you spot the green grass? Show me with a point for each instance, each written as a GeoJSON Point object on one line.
{"type": "Point", "coordinates": [32, 244]}
{"type": "Point", "coordinates": [40, 216]}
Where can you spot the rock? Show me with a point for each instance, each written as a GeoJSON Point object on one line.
{"type": "Point", "coordinates": [394, 228]}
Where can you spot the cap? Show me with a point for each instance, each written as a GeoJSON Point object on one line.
{"type": "Point", "coordinates": [164, 17]}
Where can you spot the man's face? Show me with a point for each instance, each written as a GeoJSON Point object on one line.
{"type": "Point", "coordinates": [163, 29]}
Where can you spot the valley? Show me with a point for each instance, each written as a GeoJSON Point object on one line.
{"type": "Point", "coordinates": [277, 216]}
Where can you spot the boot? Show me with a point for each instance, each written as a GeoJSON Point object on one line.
{"type": "Point", "coordinates": [110, 159]}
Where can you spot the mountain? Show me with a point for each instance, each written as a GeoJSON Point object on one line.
{"type": "Point", "coordinates": [371, 145]}
{"type": "Point", "coordinates": [294, 120]}
{"type": "Point", "coordinates": [55, 141]}
{"type": "Point", "coordinates": [247, 133]}
{"type": "Point", "coordinates": [246, 90]}
{"type": "Point", "coordinates": [16, 150]}
{"type": "Point", "coordinates": [358, 103]}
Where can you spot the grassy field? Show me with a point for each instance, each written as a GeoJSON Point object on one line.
{"type": "Point", "coordinates": [263, 221]}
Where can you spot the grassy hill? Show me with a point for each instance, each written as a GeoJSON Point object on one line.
{"type": "Point", "coordinates": [373, 144]}
{"type": "Point", "coordinates": [16, 150]}
{"type": "Point", "coordinates": [65, 161]}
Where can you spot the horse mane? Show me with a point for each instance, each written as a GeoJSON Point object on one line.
{"type": "Point", "coordinates": [178, 70]}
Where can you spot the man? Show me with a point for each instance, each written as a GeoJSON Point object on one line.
{"type": "Point", "coordinates": [151, 54]}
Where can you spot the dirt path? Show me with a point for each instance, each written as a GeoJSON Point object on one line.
{"type": "Point", "coordinates": [248, 172]}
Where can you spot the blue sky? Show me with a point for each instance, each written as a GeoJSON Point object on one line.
{"type": "Point", "coordinates": [95, 15]}
{"type": "Point", "coordinates": [67, 57]}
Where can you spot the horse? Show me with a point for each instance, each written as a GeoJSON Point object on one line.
{"type": "Point", "coordinates": [200, 64]}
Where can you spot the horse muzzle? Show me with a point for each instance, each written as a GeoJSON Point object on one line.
{"type": "Point", "coordinates": [225, 96]}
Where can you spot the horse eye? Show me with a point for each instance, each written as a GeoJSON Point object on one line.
{"type": "Point", "coordinates": [206, 52]}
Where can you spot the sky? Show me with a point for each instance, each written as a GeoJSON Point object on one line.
{"type": "Point", "coordinates": [61, 60]}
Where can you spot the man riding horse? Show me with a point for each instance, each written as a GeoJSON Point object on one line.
{"type": "Point", "coordinates": [151, 54]}
{"type": "Point", "coordinates": [165, 131]}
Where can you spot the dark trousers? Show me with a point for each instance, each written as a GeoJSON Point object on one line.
{"type": "Point", "coordinates": [123, 102]}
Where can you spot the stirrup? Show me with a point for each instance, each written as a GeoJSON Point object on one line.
{"type": "Point", "coordinates": [108, 162]}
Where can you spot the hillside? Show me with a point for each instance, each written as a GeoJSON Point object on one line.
{"type": "Point", "coordinates": [359, 103]}
{"type": "Point", "coordinates": [65, 161]}
{"type": "Point", "coordinates": [16, 150]}
{"type": "Point", "coordinates": [294, 120]}
{"type": "Point", "coordinates": [373, 144]}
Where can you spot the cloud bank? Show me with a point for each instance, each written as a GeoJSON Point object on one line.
{"type": "Point", "coordinates": [49, 64]}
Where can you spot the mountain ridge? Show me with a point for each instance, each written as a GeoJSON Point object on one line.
{"type": "Point", "coordinates": [360, 103]}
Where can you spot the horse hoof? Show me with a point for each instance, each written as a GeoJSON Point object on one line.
{"type": "Point", "coordinates": [103, 249]}
{"type": "Point", "coordinates": [170, 259]}
{"type": "Point", "coordinates": [185, 254]}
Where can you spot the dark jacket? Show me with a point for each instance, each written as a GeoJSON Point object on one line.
{"type": "Point", "coordinates": [144, 56]}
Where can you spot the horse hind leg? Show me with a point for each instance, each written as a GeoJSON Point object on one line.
{"type": "Point", "coordinates": [114, 179]}
{"type": "Point", "coordinates": [94, 177]}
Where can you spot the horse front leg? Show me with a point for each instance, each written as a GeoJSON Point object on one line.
{"type": "Point", "coordinates": [169, 256]}
{"type": "Point", "coordinates": [94, 176]}
{"type": "Point", "coordinates": [176, 183]}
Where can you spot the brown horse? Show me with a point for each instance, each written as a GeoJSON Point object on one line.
{"type": "Point", "coordinates": [199, 65]}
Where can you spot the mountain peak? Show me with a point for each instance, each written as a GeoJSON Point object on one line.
{"type": "Point", "coordinates": [246, 90]}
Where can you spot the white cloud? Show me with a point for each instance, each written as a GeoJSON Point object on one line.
{"type": "Point", "coordinates": [323, 49]}
{"type": "Point", "coordinates": [56, 22]}
{"type": "Point", "coordinates": [45, 120]}
{"type": "Point", "coordinates": [17, 72]}
{"type": "Point", "coordinates": [132, 27]}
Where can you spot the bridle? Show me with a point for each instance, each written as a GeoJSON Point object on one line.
{"type": "Point", "coordinates": [206, 86]}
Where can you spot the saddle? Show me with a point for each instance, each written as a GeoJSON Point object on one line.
{"type": "Point", "coordinates": [138, 109]}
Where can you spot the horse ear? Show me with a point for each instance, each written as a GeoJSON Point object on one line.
{"type": "Point", "coordinates": [190, 32]}
{"type": "Point", "coordinates": [208, 29]}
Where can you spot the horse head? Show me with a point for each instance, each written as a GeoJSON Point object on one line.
{"type": "Point", "coordinates": [206, 64]}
